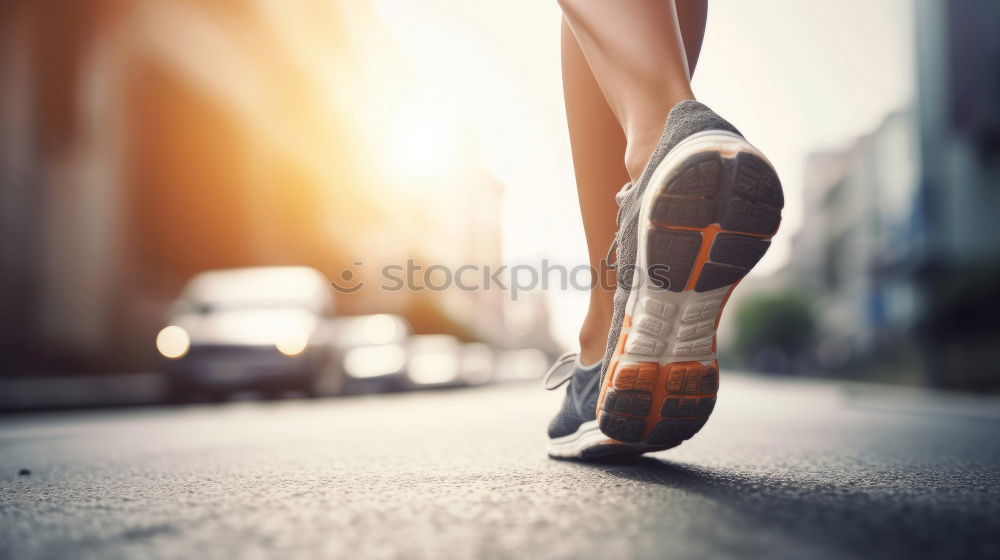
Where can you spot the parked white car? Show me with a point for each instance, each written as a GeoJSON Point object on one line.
{"type": "Point", "coordinates": [272, 330]}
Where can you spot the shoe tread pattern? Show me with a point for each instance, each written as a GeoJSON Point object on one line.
{"type": "Point", "coordinates": [684, 393]}
{"type": "Point", "coordinates": [741, 196]}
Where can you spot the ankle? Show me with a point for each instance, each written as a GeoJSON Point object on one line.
{"type": "Point", "coordinates": [593, 340]}
{"type": "Point", "coordinates": [637, 153]}
{"type": "Point", "coordinates": [644, 132]}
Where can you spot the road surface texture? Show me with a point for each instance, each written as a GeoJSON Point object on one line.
{"type": "Point", "coordinates": [783, 469]}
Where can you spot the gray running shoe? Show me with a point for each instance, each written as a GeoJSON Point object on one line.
{"type": "Point", "coordinates": [700, 217]}
{"type": "Point", "coordinates": [573, 433]}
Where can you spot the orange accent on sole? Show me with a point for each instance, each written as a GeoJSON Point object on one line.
{"type": "Point", "coordinates": [686, 383]}
{"type": "Point", "coordinates": [708, 234]}
{"type": "Point", "coordinates": [620, 349]}
{"type": "Point", "coordinates": [688, 228]}
{"type": "Point", "coordinates": [718, 316]}
{"type": "Point", "coordinates": [680, 391]}
{"type": "Point", "coordinates": [612, 371]}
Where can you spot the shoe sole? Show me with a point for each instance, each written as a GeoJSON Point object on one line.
{"type": "Point", "coordinates": [589, 444]}
{"type": "Point", "coordinates": [706, 219]}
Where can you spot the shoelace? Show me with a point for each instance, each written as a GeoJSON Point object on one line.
{"type": "Point", "coordinates": [561, 361]}
{"type": "Point", "coordinates": [620, 218]}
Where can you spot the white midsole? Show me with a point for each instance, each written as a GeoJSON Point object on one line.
{"type": "Point", "coordinates": [572, 445]}
{"type": "Point", "coordinates": [588, 435]}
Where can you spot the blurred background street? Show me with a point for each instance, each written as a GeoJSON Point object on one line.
{"type": "Point", "coordinates": [150, 147]}
{"type": "Point", "coordinates": [784, 469]}
{"type": "Point", "coordinates": [200, 201]}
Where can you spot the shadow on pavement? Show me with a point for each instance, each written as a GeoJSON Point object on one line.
{"type": "Point", "coordinates": [883, 512]}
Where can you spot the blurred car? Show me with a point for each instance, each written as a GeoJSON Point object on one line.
{"type": "Point", "coordinates": [370, 352]}
{"type": "Point", "coordinates": [433, 360]}
{"type": "Point", "coordinates": [477, 363]}
{"type": "Point", "coordinates": [521, 364]}
{"type": "Point", "coordinates": [271, 330]}
{"type": "Point", "coordinates": [441, 360]}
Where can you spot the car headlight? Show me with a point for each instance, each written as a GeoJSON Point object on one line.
{"type": "Point", "coordinates": [173, 342]}
{"type": "Point", "coordinates": [373, 361]}
{"type": "Point", "coordinates": [292, 344]}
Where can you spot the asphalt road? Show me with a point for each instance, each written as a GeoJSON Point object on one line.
{"type": "Point", "coordinates": [783, 469]}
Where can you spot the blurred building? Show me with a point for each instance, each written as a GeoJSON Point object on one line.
{"type": "Point", "coordinates": [856, 253]}
{"type": "Point", "coordinates": [958, 53]}
{"type": "Point", "coordinates": [900, 248]}
{"type": "Point", "coordinates": [147, 140]}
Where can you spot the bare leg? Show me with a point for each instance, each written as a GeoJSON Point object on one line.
{"type": "Point", "coordinates": [637, 53]}
{"type": "Point", "coordinates": [596, 130]}
{"type": "Point", "coordinates": [598, 148]}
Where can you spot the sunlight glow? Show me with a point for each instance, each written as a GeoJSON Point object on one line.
{"type": "Point", "coordinates": [423, 140]}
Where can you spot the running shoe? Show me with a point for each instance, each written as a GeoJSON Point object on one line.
{"type": "Point", "coordinates": [574, 433]}
{"type": "Point", "coordinates": [699, 218]}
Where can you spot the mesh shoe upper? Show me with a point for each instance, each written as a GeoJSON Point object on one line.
{"type": "Point", "coordinates": [580, 404]}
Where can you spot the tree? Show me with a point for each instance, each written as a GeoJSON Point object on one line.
{"type": "Point", "coordinates": [773, 330]}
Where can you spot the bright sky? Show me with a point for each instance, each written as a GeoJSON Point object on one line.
{"type": "Point", "coordinates": [793, 76]}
